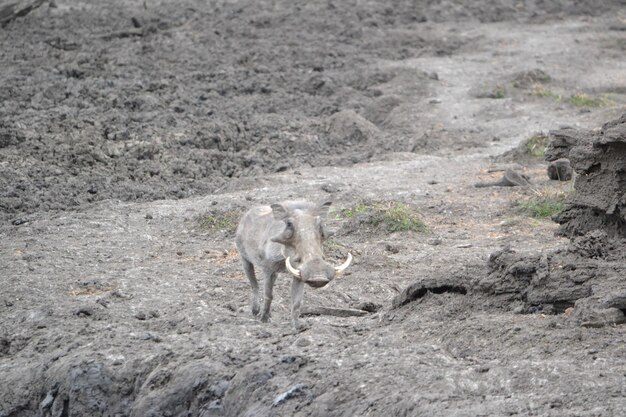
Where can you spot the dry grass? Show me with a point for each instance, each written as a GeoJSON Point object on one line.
{"type": "Point", "coordinates": [544, 203]}
{"type": "Point", "coordinates": [89, 290]}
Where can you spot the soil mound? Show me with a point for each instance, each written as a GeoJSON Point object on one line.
{"type": "Point", "coordinates": [588, 274]}
{"type": "Point", "coordinates": [599, 160]}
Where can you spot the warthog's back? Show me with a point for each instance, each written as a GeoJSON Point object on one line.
{"type": "Point", "coordinates": [254, 231]}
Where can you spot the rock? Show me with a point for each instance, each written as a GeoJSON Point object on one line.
{"type": "Point", "coordinates": [368, 306]}
{"type": "Point", "coordinates": [49, 399]}
{"type": "Point", "coordinates": [303, 342]}
{"type": "Point", "coordinates": [331, 187]}
{"type": "Point", "coordinates": [294, 391]}
{"type": "Point", "coordinates": [615, 297]}
{"type": "Point", "coordinates": [589, 312]}
{"type": "Point", "coordinates": [393, 248]}
{"type": "Point", "coordinates": [560, 170]}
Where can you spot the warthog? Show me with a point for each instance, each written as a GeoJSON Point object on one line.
{"type": "Point", "coordinates": [285, 237]}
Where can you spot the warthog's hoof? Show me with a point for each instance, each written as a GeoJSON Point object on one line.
{"type": "Point", "coordinates": [265, 318]}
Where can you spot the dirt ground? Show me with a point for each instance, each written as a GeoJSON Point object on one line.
{"type": "Point", "coordinates": [133, 134]}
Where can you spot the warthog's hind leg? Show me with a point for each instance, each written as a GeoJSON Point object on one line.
{"type": "Point", "coordinates": [248, 268]}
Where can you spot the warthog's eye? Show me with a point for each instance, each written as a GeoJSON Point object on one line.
{"type": "Point", "coordinates": [321, 229]}
{"type": "Point", "coordinates": [289, 229]}
{"type": "Point", "coordinates": [286, 234]}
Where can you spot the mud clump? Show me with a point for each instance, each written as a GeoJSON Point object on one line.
{"type": "Point", "coordinates": [599, 159]}
{"type": "Point", "coordinates": [585, 275]}
{"type": "Point", "coordinates": [560, 170]}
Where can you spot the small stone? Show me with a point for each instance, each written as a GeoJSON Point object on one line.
{"type": "Point", "coordinates": [47, 402]}
{"type": "Point", "coordinates": [151, 336]}
{"type": "Point", "coordinates": [483, 369]}
{"type": "Point", "coordinates": [369, 306]}
{"type": "Point", "coordinates": [297, 389]}
{"type": "Point", "coordinates": [149, 216]}
{"type": "Point", "coordinates": [560, 170]}
{"type": "Point", "coordinates": [84, 312]}
{"type": "Point", "coordinates": [390, 247]}
{"type": "Point", "coordinates": [303, 341]}
{"type": "Point", "coordinates": [331, 188]}
{"type": "Point", "coordinates": [140, 315]}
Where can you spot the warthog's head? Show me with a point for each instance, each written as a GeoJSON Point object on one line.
{"type": "Point", "coordinates": [302, 236]}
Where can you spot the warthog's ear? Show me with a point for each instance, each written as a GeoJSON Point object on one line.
{"type": "Point", "coordinates": [279, 212]}
{"type": "Point", "coordinates": [323, 209]}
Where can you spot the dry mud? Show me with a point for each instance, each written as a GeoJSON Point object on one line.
{"type": "Point", "coordinates": [126, 126]}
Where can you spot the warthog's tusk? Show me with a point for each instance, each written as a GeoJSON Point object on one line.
{"type": "Point", "coordinates": [339, 269]}
{"type": "Point", "coordinates": [294, 271]}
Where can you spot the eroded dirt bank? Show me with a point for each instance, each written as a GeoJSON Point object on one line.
{"type": "Point", "coordinates": [131, 137]}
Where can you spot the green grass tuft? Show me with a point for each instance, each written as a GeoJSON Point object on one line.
{"type": "Point", "coordinates": [498, 92]}
{"type": "Point", "coordinates": [220, 221]}
{"type": "Point", "coordinates": [541, 91]}
{"type": "Point", "coordinates": [349, 213]}
{"type": "Point", "coordinates": [393, 216]}
{"type": "Point", "coordinates": [536, 144]}
{"type": "Point", "coordinates": [544, 204]}
{"type": "Point", "coordinates": [585, 100]}
{"type": "Point", "coordinates": [399, 217]}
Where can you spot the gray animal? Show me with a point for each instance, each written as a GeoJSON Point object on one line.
{"type": "Point", "coordinates": [511, 178]}
{"type": "Point", "coordinates": [285, 237]}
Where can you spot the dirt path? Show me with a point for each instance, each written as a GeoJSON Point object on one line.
{"type": "Point", "coordinates": [136, 308]}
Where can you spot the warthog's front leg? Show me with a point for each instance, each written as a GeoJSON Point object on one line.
{"type": "Point", "coordinates": [248, 268]}
{"type": "Point", "coordinates": [269, 278]}
{"type": "Point", "coordinates": [297, 293]}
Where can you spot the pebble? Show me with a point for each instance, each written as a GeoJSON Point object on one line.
{"type": "Point", "coordinates": [303, 341]}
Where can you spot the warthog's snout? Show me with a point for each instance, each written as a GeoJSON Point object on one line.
{"type": "Point", "coordinates": [317, 272]}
